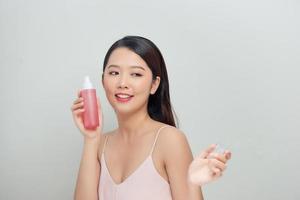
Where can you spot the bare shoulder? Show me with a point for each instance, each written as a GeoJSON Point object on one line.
{"type": "Point", "coordinates": [173, 142]}
{"type": "Point", "coordinates": [102, 141]}
{"type": "Point", "coordinates": [172, 137]}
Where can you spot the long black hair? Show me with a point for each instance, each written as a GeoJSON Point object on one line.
{"type": "Point", "coordinates": [159, 105]}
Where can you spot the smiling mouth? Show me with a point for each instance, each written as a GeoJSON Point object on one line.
{"type": "Point", "coordinates": [123, 97]}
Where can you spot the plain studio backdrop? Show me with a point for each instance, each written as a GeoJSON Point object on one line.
{"type": "Point", "coordinates": [234, 79]}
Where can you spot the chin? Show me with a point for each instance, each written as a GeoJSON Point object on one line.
{"type": "Point", "coordinates": [128, 110]}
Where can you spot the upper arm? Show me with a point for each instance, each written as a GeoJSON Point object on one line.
{"type": "Point", "coordinates": [178, 156]}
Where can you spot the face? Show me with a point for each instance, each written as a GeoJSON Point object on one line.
{"type": "Point", "coordinates": [128, 81]}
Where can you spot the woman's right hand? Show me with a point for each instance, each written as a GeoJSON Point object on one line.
{"type": "Point", "coordinates": [77, 111]}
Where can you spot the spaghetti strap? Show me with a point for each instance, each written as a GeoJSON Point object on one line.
{"type": "Point", "coordinates": [144, 175]}
{"type": "Point", "coordinates": [157, 134]}
{"type": "Point", "coordinates": [105, 141]}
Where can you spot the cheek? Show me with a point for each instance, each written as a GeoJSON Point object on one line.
{"type": "Point", "coordinates": [108, 86]}
{"type": "Point", "coordinates": [143, 87]}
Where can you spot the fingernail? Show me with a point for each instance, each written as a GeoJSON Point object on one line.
{"type": "Point", "coordinates": [227, 156]}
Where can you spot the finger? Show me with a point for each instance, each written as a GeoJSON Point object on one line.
{"type": "Point", "coordinates": [78, 111]}
{"type": "Point", "coordinates": [218, 156]}
{"type": "Point", "coordinates": [78, 100]}
{"type": "Point", "coordinates": [76, 106]}
{"type": "Point", "coordinates": [79, 93]}
{"type": "Point", "coordinates": [98, 103]}
{"type": "Point", "coordinates": [207, 151]}
{"type": "Point", "coordinates": [216, 172]}
{"type": "Point", "coordinates": [227, 154]}
{"type": "Point", "coordinates": [214, 163]}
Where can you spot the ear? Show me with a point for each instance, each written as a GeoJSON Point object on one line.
{"type": "Point", "coordinates": [155, 85]}
{"type": "Point", "coordinates": [102, 80]}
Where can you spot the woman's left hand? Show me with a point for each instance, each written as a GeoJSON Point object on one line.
{"type": "Point", "coordinates": [208, 166]}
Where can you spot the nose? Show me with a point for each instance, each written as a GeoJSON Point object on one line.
{"type": "Point", "coordinates": [123, 82]}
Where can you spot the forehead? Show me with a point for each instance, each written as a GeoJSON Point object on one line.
{"type": "Point", "coordinates": [124, 57]}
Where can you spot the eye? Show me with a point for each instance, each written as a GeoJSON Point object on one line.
{"type": "Point", "coordinates": [113, 73]}
{"type": "Point", "coordinates": [136, 74]}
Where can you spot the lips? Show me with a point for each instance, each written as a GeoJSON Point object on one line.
{"type": "Point", "coordinates": [123, 97]}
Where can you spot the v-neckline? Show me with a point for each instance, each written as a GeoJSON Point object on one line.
{"type": "Point", "coordinates": [129, 176]}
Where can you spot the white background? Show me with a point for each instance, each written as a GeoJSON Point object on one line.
{"type": "Point", "coordinates": [234, 79]}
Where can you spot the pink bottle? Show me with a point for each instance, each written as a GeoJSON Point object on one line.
{"type": "Point", "coordinates": [90, 114]}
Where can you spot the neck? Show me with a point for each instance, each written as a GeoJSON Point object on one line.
{"type": "Point", "coordinates": [130, 125]}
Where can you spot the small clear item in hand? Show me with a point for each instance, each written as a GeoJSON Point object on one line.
{"type": "Point", "coordinates": [219, 149]}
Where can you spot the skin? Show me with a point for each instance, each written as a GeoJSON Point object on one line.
{"type": "Point", "coordinates": [130, 144]}
{"type": "Point", "coordinates": [208, 166]}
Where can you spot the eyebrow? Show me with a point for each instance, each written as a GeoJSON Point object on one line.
{"type": "Point", "coordinates": [134, 66]}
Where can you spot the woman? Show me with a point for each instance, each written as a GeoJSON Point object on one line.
{"type": "Point", "coordinates": [146, 156]}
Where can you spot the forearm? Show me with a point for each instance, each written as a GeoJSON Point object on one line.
{"type": "Point", "coordinates": [88, 175]}
{"type": "Point", "coordinates": [195, 192]}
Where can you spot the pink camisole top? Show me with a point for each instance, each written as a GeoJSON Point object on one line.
{"type": "Point", "coordinates": [145, 183]}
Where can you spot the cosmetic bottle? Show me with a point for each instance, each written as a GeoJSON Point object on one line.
{"type": "Point", "coordinates": [90, 114]}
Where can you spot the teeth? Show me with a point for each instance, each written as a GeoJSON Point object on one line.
{"type": "Point", "coordinates": [122, 96]}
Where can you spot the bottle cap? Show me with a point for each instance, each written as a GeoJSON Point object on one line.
{"type": "Point", "coordinates": [87, 83]}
